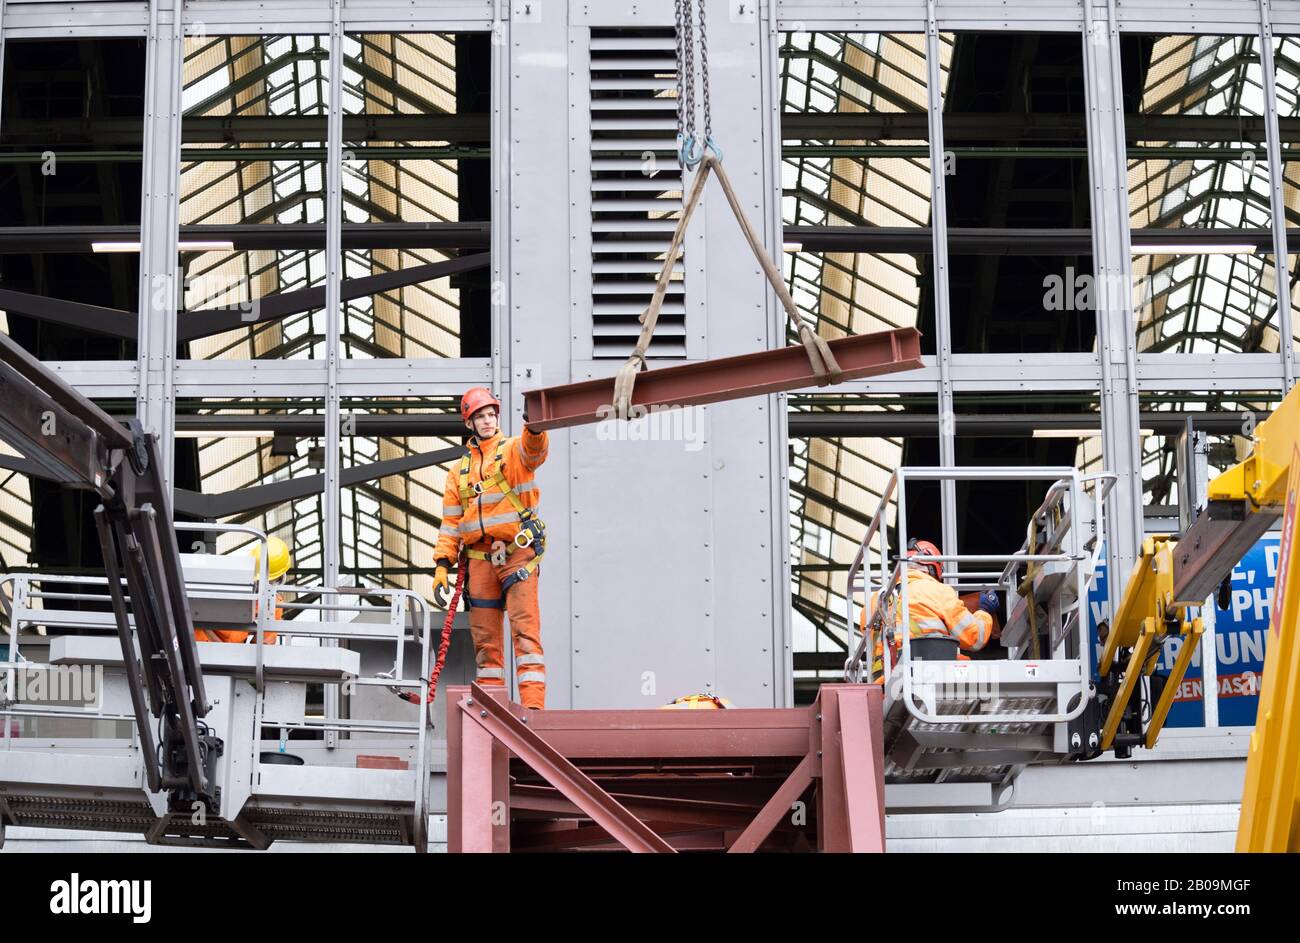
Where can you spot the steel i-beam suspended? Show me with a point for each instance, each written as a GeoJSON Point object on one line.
{"type": "Point", "coordinates": [727, 378]}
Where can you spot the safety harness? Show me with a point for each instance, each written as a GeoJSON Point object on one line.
{"type": "Point", "coordinates": [532, 532]}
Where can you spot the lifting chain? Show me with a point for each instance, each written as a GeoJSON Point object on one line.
{"type": "Point", "coordinates": [692, 153]}
{"type": "Point", "coordinates": [690, 148]}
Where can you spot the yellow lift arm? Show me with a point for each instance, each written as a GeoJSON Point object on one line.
{"type": "Point", "coordinates": [1270, 478]}
{"type": "Point", "coordinates": [1147, 616]}
{"type": "Point", "coordinates": [1173, 577]}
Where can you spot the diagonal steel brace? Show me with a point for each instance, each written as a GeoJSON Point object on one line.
{"type": "Point", "coordinates": [598, 805]}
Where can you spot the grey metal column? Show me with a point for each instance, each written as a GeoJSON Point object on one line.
{"type": "Point", "coordinates": [1113, 276]}
{"type": "Point", "coordinates": [942, 309]}
{"type": "Point", "coordinates": [1193, 471]}
{"type": "Point", "coordinates": [331, 525]}
{"type": "Point", "coordinates": [2, 57]}
{"type": "Point", "coordinates": [1277, 205]}
{"type": "Point", "coordinates": [778, 406]}
{"type": "Point", "coordinates": [333, 320]}
{"type": "Point", "coordinates": [159, 227]}
{"type": "Point", "coordinates": [499, 296]}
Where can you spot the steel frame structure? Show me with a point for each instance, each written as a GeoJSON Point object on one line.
{"type": "Point", "coordinates": [1118, 371]}
{"type": "Point", "coordinates": [665, 780]}
{"type": "Point", "coordinates": [899, 121]}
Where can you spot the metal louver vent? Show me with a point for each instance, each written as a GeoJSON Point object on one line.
{"type": "Point", "coordinates": [636, 189]}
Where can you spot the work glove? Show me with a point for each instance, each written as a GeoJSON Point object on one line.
{"type": "Point", "coordinates": [440, 579]}
{"type": "Point", "coordinates": [989, 603]}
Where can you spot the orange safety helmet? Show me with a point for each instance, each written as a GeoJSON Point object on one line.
{"type": "Point", "coordinates": [916, 548]}
{"type": "Point", "coordinates": [475, 399]}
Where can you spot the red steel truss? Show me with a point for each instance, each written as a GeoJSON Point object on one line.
{"type": "Point", "coordinates": [792, 779]}
{"type": "Point", "coordinates": [727, 378]}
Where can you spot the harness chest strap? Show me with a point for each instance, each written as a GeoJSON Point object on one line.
{"type": "Point", "coordinates": [498, 480]}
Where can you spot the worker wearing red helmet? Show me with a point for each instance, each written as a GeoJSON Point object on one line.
{"type": "Point", "coordinates": [934, 608]}
{"type": "Point", "coordinates": [489, 508]}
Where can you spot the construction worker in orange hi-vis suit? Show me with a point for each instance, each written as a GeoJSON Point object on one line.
{"type": "Point", "coordinates": [489, 508]}
{"type": "Point", "coordinates": [934, 608]}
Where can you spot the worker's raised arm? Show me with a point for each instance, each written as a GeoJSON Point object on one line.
{"type": "Point", "coordinates": [447, 549]}
{"type": "Point", "coordinates": [531, 449]}
{"type": "Point", "coordinates": [972, 630]}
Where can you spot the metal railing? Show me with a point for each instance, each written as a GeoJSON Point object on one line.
{"type": "Point", "coordinates": [888, 620]}
{"type": "Point", "coordinates": [28, 603]}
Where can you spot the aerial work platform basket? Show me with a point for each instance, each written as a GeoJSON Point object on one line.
{"type": "Point", "coordinates": [72, 758]}
{"type": "Point", "coordinates": [971, 726]}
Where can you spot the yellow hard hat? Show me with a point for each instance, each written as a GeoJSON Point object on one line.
{"type": "Point", "coordinates": [697, 702]}
{"type": "Point", "coordinates": [277, 563]}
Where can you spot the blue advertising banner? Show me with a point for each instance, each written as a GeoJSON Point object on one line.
{"type": "Point", "coordinates": [1241, 632]}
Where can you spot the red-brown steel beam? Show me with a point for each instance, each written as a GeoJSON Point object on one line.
{"type": "Point", "coordinates": [861, 765]}
{"type": "Point", "coordinates": [737, 733]}
{"type": "Point", "coordinates": [777, 808]}
{"type": "Point", "coordinates": [499, 721]}
{"type": "Point", "coordinates": [832, 816]}
{"type": "Point", "coordinates": [478, 784]}
{"type": "Point", "coordinates": [469, 784]}
{"type": "Point", "coordinates": [561, 836]}
{"type": "Point", "coordinates": [727, 378]}
{"type": "Point", "coordinates": [692, 812]}
{"type": "Point", "coordinates": [835, 745]}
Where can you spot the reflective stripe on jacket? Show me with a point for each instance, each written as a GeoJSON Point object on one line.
{"type": "Point", "coordinates": [475, 508]}
{"type": "Point", "coordinates": [935, 610]}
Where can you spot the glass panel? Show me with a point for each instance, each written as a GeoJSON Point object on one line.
{"type": "Point", "coordinates": [417, 194]}
{"type": "Point", "coordinates": [839, 467]}
{"type": "Point", "coordinates": [399, 452]}
{"type": "Point", "coordinates": [1018, 195]}
{"type": "Point", "coordinates": [252, 209]}
{"type": "Point", "coordinates": [229, 452]}
{"type": "Point", "coordinates": [71, 138]}
{"type": "Point", "coordinates": [1198, 194]}
{"type": "Point", "coordinates": [855, 178]}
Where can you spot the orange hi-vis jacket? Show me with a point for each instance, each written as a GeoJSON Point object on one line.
{"type": "Point", "coordinates": [475, 507]}
{"type": "Point", "coordinates": [936, 611]}
{"type": "Point", "coordinates": [239, 636]}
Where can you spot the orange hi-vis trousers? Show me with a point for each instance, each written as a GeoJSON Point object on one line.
{"type": "Point", "coordinates": [489, 603]}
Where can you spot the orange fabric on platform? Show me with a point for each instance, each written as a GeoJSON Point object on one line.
{"type": "Point", "coordinates": [238, 636]}
{"type": "Point", "coordinates": [488, 607]}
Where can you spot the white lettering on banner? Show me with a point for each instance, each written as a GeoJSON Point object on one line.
{"type": "Point", "coordinates": [1252, 646]}
{"type": "Point", "coordinates": [1258, 601]}
{"type": "Point", "coordinates": [1231, 648]}
{"type": "Point", "coordinates": [1099, 611]}
{"type": "Point", "coordinates": [1239, 646]}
